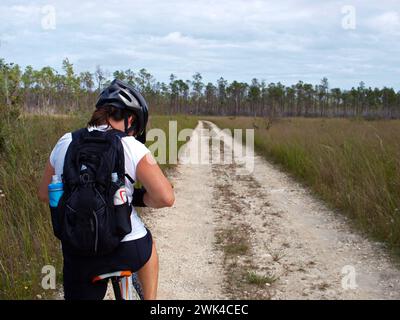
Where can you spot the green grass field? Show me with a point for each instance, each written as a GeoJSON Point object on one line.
{"type": "Point", "coordinates": [353, 165]}
{"type": "Point", "coordinates": [26, 238]}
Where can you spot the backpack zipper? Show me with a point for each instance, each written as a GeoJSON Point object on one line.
{"type": "Point", "coordinates": [96, 239]}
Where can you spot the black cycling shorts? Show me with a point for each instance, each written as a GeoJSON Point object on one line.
{"type": "Point", "coordinates": [79, 271]}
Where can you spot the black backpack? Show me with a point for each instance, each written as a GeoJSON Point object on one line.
{"type": "Point", "coordinates": [86, 220]}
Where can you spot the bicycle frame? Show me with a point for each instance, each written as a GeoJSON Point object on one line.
{"type": "Point", "coordinates": [125, 285]}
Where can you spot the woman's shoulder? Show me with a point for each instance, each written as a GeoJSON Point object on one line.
{"type": "Point", "coordinates": [134, 147]}
{"type": "Point", "coordinates": [131, 142]}
{"type": "Point", "coordinates": [60, 148]}
{"type": "Point", "coordinates": [66, 136]}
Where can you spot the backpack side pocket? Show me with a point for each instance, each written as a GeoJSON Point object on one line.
{"type": "Point", "coordinates": [122, 214]}
{"type": "Point", "coordinates": [55, 221]}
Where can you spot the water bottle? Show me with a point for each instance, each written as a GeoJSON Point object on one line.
{"type": "Point", "coordinates": [55, 191]}
{"type": "Point", "coordinates": [120, 195]}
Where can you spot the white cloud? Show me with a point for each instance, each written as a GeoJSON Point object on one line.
{"type": "Point", "coordinates": [175, 38]}
{"type": "Point", "coordinates": [388, 22]}
{"type": "Point", "coordinates": [25, 10]}
{"type": "Point", "coordinates": [282, 40]}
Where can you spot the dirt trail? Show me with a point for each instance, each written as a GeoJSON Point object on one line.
{"type": "Point", "coordinates": [259, 235]}
{"type": "Point", "coordinates": [190, 268]}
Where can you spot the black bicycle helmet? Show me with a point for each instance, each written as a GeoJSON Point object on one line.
{"type": "Point", "coordinates": [123, 96]}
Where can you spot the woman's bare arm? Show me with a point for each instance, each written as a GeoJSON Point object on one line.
{"type": "Point", "coordinates": [159, 190]}
{"type": "Point", "coordinates": [46, 179]}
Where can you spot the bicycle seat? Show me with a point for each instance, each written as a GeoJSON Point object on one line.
{"type": "Point", "coordinates": [125, 284]}
{"type": "Point", "coordinates": [116, 274]}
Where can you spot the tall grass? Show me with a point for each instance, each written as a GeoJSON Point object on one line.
{"type": "Point", "coordinates": [26, 238]}
{"type": "Point", "coordinates": [354, 165]}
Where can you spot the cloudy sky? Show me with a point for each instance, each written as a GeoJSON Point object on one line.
{"type": "Point", "coordinates": [285, 40]}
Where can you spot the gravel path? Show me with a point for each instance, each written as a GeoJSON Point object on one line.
{"type": "Point", "coordinates": [259, 236]}
{"type": "Point", "coordinates": [190, 267]}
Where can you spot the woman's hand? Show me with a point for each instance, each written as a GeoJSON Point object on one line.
{"type": "Point", "coordinates": [159, 190]}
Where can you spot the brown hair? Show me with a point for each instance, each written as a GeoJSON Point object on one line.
{"type": "Point", "coordinates": [102, 115]}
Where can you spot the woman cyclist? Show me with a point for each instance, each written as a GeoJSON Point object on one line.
{"type": "Point", "coordinates": [119, 107]}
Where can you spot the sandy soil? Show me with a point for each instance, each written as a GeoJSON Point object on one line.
{"type": "Point", "coordinates": [190, 267]}
{"type": "Point", "coordinates": [258, 235]}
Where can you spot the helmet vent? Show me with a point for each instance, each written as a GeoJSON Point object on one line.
{"type": "Point", "coordinates": [125, 95]}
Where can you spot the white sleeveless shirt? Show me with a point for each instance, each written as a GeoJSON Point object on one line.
{"type": "Point", "coordinates": [134, 151]}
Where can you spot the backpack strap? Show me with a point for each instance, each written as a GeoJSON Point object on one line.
{"type": "Point", "coordinates": [121, 135]}
{"type": "Point", "coordinates": [69, 176]}
{"type": "Point", "coordinates": [116, 132]}
{"type": "Point", "coordinates": [130, 178]}
{"type": "Point", "coordinates": [77, 134]}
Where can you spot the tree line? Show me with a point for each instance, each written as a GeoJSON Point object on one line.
{"type": "Point", "coordinates": [50, 91]}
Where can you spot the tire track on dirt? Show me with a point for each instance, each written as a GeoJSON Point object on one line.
{"type": "Point", "coordinates": [190, 267]}
{"type": "Point", "coordinates": [299, 247]}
